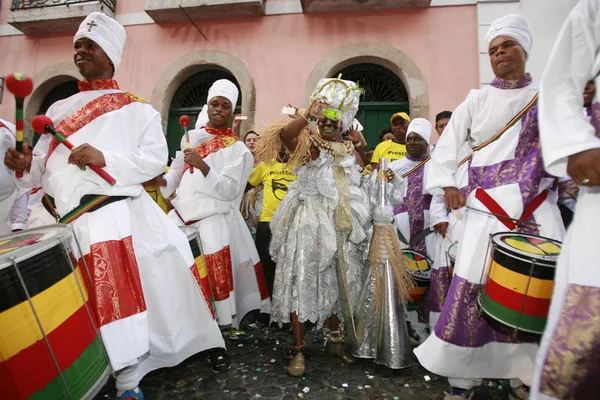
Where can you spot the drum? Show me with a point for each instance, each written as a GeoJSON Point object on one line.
{"type": "Point", "coordinates": [520, 280]}
{"type": "Point", "coordinates": [201, 272]}
{"type": "Point", "coordinates": [419, 267]}
{"type": "Point", "coordinates": [49, 344]}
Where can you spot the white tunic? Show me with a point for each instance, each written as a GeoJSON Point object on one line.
{"type": "Point", "coordinates": [8, 190]}
{"type": "Point", "coordinates": [212, 204]}
{"type": "Point", "coordinates": [567, 362]}
{"type": "Point", "coordinates": [463, 344]}
{"type": "Point", "coordinates": [177, 322]}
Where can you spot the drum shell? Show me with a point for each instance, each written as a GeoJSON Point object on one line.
{"type": "Point", "coordinates": [518, 289]}
{"type": "Point", "coordinates": [59, 297]}
{"type": "Point", "coordinates": [199, 270]}
{"type": "Point", "coordinates": [420, 277]}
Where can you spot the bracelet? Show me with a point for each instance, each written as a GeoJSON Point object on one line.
{"type": "Point", "coordinates": [358, 145]}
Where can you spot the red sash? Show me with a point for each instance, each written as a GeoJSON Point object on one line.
{"type": "Point", "coordinates": [219, 142]}
{"type": "Point", "coordinates": [495, 208]}
{"type": "Point", "coordinates": [89, 112]}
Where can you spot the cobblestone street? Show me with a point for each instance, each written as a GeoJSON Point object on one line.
{"type": "Point", "coordinates": [258, 370]}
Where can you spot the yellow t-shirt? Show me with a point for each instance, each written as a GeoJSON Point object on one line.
{"type": "Point", "coordinates": [276, 179]}
{"type": "Point", "coordinates": [389, 149]}
{"type": "Point", "coordinates": [154, 192]}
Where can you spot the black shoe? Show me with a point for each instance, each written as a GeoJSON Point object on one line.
{"type": "Point", "coordinates": [219, 360]}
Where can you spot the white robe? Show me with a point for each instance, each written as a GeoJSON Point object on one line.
{"type": "Point", "coordinates": [213, 202]}
{"type": "Point", "coordinates": [567, 363]}
{"type": "Point", "coordinates": [8, 190]}
{"type": "Point", "coordinates": [472, 348]}
{"type": "Point", "coordinates": [177, 322]}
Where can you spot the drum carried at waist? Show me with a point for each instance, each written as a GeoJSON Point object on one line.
{"type": "Point", "coordinates": [520, 280]}
{"type": "Point", "coordinates": [419, 267]}
{"type": "Point", "coordinates": [49, 342]}
{"type": "Point", "coordinates": [201, 271]}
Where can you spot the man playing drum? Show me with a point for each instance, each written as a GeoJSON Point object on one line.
{"type": "Point", "coordinates": [148, 306]}
{"type": "Point", "coordinates": [506, 183]}
{"type": "Point", "coordinates": [567, 364]}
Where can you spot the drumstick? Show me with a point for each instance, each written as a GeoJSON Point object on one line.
{"type": "Point", "coordinates": [20, 86]}
{"type": "Point", "coordinates": [521, 222]}
{"type": "Point", "coordinates": [42, 124]}
{"type": "Point", "coordinates": [184, 121]}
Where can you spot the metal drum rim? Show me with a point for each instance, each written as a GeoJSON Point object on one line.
{"type": "Point", "coordinates": [545, 261]}
{"type": "Point", "coordinates": [428, 279]}
{"type": "Point", "coordinates": [501, 321]}
{"type": "Point", "coordinates": [36, 248]}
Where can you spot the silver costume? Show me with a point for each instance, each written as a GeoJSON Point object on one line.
{"type": "Point", "coordinates": [304, 242]}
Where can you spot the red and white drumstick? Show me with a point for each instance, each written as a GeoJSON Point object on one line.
{"type": "Point", "coordinates": [42, 124]}
{"type": "Point", "coordinates": [184, 121]}
{"type": "Point", "coordinates": [20, 86]}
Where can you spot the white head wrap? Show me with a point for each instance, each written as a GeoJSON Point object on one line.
{"type": "Point", "coordinates": [341, 95]}
{"type": "Point", "coordinates": [107, 33]}
{"type": "Point", "coordinates": [421, 127]}
{"type": "Point", "coordinates": [202, 119]}
{"type": "Point", "coordinates": [514, 26]}
{"type": "Point", "coordinates": [224, 88]}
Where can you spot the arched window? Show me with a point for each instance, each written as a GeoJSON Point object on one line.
{"type": "Point", "coordinates": [189, 99]}
{"type": "Point", "coordinates": [385, 95]}
{"type": "Point", "coordinates": [60, 92]}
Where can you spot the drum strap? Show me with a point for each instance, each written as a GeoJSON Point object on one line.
{"type": "Point", "coordinates": [88, 203]}
{"type": "Point", "coordinates": [495, 208]}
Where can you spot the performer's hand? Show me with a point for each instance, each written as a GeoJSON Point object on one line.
{"type": "Point", "coordinates": [86, 154]}
{"type": "Point", "coordinates": [296, 114]}
{"type": "Point", "coordinates": [441, 228]}
{"type": "Point", "coordinates": [191, 157]}
{"type": "Point", "coordinates": [317, 107]}
{"type": "Point", "coordinates": [237, 125]}
{"type": "Point", "coordinates": [454, 198]}
{"type": "Point", "coordinates": [18, 161]}
{"type": "Point", "coordinates": [389, 175]}
{"type": "Point", "coordinates": [585, 166]}
{"type": "Point", "coordinates": [158, 181]}
{"type": "Point", "coordinates": [355, 136]}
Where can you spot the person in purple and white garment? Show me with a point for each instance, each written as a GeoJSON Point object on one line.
{"type": "Point", "coordinates": [568, 362]}
{"type": "Point", "coordinates": [506, 174]}
{"type": "Point", "coordinates": [411, 217]}
{"type": "Point", "coordinates": [147, 301]}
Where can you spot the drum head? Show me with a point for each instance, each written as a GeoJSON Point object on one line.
{"type": "Point", "coordinates": [419, 266]}
{"type": "Point", "coordinates": [25, 244]}
{"type": "Point", "coordinates": [521, 245]}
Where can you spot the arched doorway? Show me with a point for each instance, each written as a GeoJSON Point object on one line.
{"type": "Point", "coordinates": [189, 99]}
{"type": "Point", "coordinates": [385, 95]}
{"type": "Point", "coordinates": [59, 92]}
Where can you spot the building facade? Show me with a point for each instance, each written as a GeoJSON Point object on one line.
{"type": "Point", "coordinates": [419, 56]}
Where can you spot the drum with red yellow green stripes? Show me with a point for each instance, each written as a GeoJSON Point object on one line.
{"type": "Point", "coordinates": [419, 267]}
{"type": "Point", "coordinates": [49, 345]}
{"type": "Point", "coordinates": [199, 269]}
{"type": "Point", "coordinates": [520, 280]}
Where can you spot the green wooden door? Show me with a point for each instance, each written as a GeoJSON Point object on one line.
{"type": "Point", "coordinates": [375, 117]}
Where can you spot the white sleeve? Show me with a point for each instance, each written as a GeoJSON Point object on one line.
{"type": "Point", "coordinates": [564, 130]}
{"type": "Point", "coordinates": [19, 213]}
{"type": "Point", "coordinates": [445, 159]}
{"type": "Point", "coordinates": [438, 212]}
{"type": "Point", "coordinates": [227, 184]}
{"type": "Point", "coordinates": [145, 163]}
{"type": "Point", "coordinates": [173, 175]}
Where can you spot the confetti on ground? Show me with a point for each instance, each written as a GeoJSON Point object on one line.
{"type": "Point", "coordinates": [344, 385]}
{"type": "Point", "coordinates": [370, 377]}
{"type": "Point", "coordinates": [306, 389]}
{"type": "Point", "coordinates": [427, 378]}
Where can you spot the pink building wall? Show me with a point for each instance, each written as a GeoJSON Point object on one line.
{"type": "Point", "coordinates": [279, 51]}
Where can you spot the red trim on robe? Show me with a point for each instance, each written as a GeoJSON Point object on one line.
{"type": "Point", "coordinates": [215, 144]}
{"type": "Point", "coordinates": [89, 112]}
{"type": "Point", "coordinates": [117, 287]}
{"type": "Point", "coordinates": [261, 280]}
{"type": "Point", "coordinates": [220, 273]}
{"type": "Point", "coordinates": [204, 286]}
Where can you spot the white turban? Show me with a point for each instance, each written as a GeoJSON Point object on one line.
{"type": "Point", "coordinates": [224, 88]}
{"type": "Point", "coordinates": [514, 26]}
{"type": "Point", "coordinates": [421, 127]}
{"type": "Point", "coordinates": [202, 119]}
{"type": "Point", "coordinates": [341, 95]}
{"type": "Point", "coordinates": [107, 33]}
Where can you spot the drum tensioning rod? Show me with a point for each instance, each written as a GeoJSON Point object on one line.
{"type": "Point", "coordinates": [525, 297]}
{"type": "Point", "coordinates": [85, 304]}
{"type": "Point", "coordinates": [39, 322]}
{"type": "Point", "coordinates": [519, 221]}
